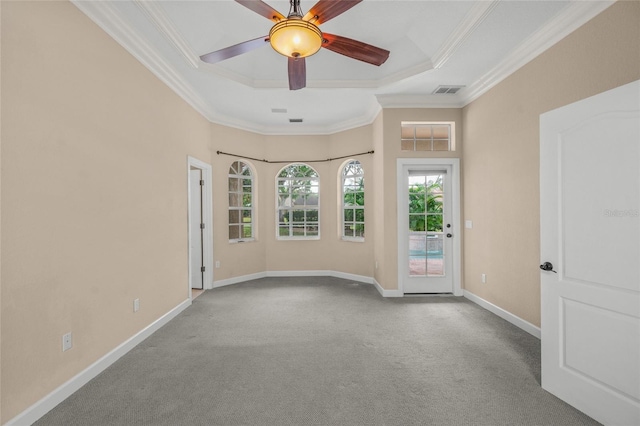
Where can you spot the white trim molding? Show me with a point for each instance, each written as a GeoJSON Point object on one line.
{"type": "Point", "coordinates": [207, 218]}
{"type": "Point", "coordinates": [46, 404]}
{"type": "Point", "coordinates": [570, 19]}
{"type": "Point", "coordinates": [471, 21]}
{"type": "Point", "coordinates": [402, 167]}
{"type": "Point", "coordinates": [505, 315]}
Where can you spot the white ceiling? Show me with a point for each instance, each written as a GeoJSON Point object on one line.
{"type": "Point", "coordinates": [474, 44]}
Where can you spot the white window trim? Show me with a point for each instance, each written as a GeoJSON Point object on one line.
{"type": "Point", "coordinates": [253, 203]}
{"type": "Point", "coordinates": [277, 209]}
{"type": "Point", "coordinates": [341, 203]}
{"type": "Point", "coordinates": [452, 133]}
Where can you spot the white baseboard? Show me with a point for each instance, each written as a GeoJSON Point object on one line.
{"type": "Point", "coordinates": [46, 404]}
{"type": "Point", "coordinates": [386, 293]}
{"type": "Point", "coordinates": [508, 316]}
{"type": "Point", "coordinates": [240, 279]}
{"type": "Point", "coordinates": [315, 273]}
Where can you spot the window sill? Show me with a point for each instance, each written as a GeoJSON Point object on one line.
{"type": "Point", "coordinates": [244, 240]}
{"type": "Point", "coordinates": [298, 238]}
{"type": "Point", "coordinates": [353, 239]}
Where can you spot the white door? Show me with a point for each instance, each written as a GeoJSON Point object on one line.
{"type": "Point", "coordinates": [427, 230]}
{"type": "Point", "coordinates": [195, 229]}
{"type": "Point", "coordinates": [590, 237]}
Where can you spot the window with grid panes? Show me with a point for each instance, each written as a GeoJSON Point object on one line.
{"type": "Point", "coordinates": [427, 136]}
{"type": "Point", "coordinates": [298, 202]}
{"type": "Point", "coordinates": [241, 193]}
{"type": "Point", "coordinates": [353, 201]}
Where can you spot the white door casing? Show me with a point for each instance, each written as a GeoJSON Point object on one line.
{"type": "Point", "coordinates": [195, 231]}
{"type": "Point", "coordinates": [590, 233]}
{"type": "Point", "coordinates": [207, 219]}
{"type": "Point", "coordinates": [451, 282]}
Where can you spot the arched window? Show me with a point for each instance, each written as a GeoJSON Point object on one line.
{"type": "Point", "coordinates": [241, 202]}
{"type": "Point", "coordinates": [352, 198]}
{"type": "Point", "coordinates": [298, 201]}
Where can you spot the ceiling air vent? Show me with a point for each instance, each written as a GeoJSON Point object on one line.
{"type": "Point", "coordinates": [279, 110]}
{"type": "Point", "coordinates": [447, 90]}
{"type": "Point", "coordinates": [295, 120]}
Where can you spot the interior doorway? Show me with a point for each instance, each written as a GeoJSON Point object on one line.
{"type": "Point", "coordinates": [200, 236]}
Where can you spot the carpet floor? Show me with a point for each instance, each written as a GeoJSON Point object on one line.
{"type": "Point", "coordinates": [323, 351]}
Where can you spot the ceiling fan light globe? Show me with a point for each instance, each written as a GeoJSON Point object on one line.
{"type": "Point", "coordinates": [295, 38]}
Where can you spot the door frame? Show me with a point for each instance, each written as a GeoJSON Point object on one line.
{"type": "Point", "coordinates": [207, 218]}
{"type": "Point", "coordinates": [405, 164]}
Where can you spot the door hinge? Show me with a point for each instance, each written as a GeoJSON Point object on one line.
{"type": "Point", "coordinates": [201, 182]}
{"type": "Point", "coordinates": [202, 269]}
{"type": "Point", "coordinates": [202, 226]}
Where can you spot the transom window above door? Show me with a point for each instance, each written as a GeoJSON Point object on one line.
{"type": "Point", "coordinates": [427, 136]}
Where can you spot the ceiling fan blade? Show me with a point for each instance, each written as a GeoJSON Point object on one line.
{"type": "Point", "coordinates": [235, 50]}
{"type": "Point", "coordinates": [328, 9]}
{"type": "Point", "coordinates": [355, 49]}
{"type": "Point", "coordinates": [297, 73]}
{"type": "Point", "coordinates": [261, 8]}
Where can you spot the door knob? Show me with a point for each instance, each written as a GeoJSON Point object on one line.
{"type": "Point", "coordinates": [547, 266]}
{"type": "Point", "coordinates": [449, 235]}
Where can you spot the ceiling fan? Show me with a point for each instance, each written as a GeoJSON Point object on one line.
{"type": "Point", "coordinates": [298, 36]}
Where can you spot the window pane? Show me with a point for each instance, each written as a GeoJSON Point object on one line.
{"type": "Point", "coordinates": [234, 184]}
{"type": "Point", "coordinates": [234, 200]}
{"type": "Point", "coordinates": [417, 222]}
{"type": "Point", "coordinates": [359, 230]}
{"type": "Point", "coordinates": [406, 145]}
{"type": "Point", "coordinates": [234, 217]}
{"type": "Point", "coordinates": [434, 223]}
{"type": "Point", "coordinates": [406, 132]}
{"type": "Point", "coordinates": [417, 203]}
{"type": "Point", "coordinates": [359, 215]}
{"type": "Point", "coordinates": [441, 145]}
{"type": "Point", "coordinates": [423, 132]}
{"type": "Point", "coordinates": [247, 231]}
{"type": "Point", "coordinates": [246, 200]}
{"type": "Point", "coordinates": [348, 215]}
{"type": "Point", "coordinates": [423, 145]}
{"type": "Point", "coordinates": [441, 132]}
{"type": "Point", "coordinates": [349, 230]}
{"type": "Point", "coordinates": [234, 232]}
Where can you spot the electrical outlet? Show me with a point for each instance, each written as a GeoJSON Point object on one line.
{"type": "Point", "coordinates": [484, 278]}
{"type": "Point", "coordinates": [217, 263]}
{"type": "Point", "coordinates": [136, 305]}
{"type": "Point", "coordinates": [66, 342]}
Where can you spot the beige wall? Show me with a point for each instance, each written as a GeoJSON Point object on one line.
{"type": "Point", "coordinates": [94, 213]}
{"type": "Point", "coordinates": [94, 203]}
{"type": "Point", "coordinates": [501, 152]}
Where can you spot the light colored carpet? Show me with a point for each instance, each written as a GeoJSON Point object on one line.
{"type": "Point", "coordinates": [323, 351]}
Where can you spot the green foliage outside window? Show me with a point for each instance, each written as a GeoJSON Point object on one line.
{"type": "Point", "coordinates": [425, 206]}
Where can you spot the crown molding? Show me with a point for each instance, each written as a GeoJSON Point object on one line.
{"type": "Point", "coordinates": [156, 15]}
{"type": "Point", "coordinates": [419, 101]}
{"type": "Point", "coordinates": [110, 21]}
{"type": "Point", "coordinates": [476, 15]}
{"type": "Point", "coordinates": [576, 14]}
{"type": "Point", "coordinates": [365, 119]}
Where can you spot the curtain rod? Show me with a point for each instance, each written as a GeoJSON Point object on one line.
{"type": "Point", "coordinates": [301, 161]}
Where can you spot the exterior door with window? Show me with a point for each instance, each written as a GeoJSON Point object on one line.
{"type": "Point", "coordinates": [427, 230]}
